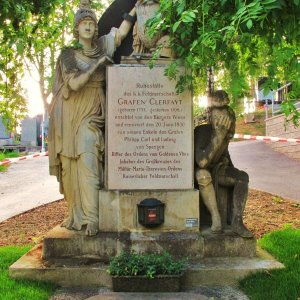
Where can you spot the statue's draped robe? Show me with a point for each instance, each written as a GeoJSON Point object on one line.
{"type": "Point", "coordinates": [76, 136]}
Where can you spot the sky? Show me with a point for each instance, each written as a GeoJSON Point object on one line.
{"type": "Point", "coordinates": [33, 96]}
{"type": "Point", "coordinates": [31, 86]}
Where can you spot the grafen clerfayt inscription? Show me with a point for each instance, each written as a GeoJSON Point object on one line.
{"type": "Point", "coordinates": [150, 131]}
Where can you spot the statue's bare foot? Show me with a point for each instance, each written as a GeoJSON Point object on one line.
{"type": "Point", "coordinates": [91, 229]}
{"type": "Point", "coordinates": [216, 226]}
{"type": "Point", "coordinates": [216, 229]}
{"type": "Point", "coordinates": [66, 224]}
{"type": "Point", "coordinates": [242, 231]}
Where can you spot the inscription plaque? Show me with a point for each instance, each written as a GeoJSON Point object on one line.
{"type": "Point", "coordinates": [149, 131]}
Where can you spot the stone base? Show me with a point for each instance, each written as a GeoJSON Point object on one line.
{"type": "Point", "coordinates": [63, 243]}
{"type": "Point", "coordinates": [118, 210]}
{"type": "Point", "coordinates": [86, 274]}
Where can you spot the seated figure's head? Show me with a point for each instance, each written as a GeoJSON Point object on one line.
{"type": "Point", "coordinates": [218, 99]}
{"type": "Point", "coordinates": [84, 13]}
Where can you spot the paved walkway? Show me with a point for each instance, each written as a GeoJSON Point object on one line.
{"type": "Point", "coordinates": [197, 293]}
{"type": "Point", "coordinates": [25, 185]}
{"type": "Point", "coordinates": [268, 170]}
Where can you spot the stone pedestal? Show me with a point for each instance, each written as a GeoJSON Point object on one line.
{"type": "Point", "coordinates": [69, 266]}
{"type": "Point", "coordinates": [118, 211]}
{"type": "Point", "coordinates": [61, 243]}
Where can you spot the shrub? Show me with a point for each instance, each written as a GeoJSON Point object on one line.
{"type": "Point", "coordinates": [150, 265]}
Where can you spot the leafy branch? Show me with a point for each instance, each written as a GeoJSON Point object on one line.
{"type": "Point", "coordinates": [241, 40]}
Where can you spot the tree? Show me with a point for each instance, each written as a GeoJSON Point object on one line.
{"type": "Point", "coordinates": [14, 18]}
{"type": "Point", "coordinates": [32, 35]}
{"type": "Point", "coordinates": [241, 40]}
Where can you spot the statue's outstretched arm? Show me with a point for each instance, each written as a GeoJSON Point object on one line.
{"type": "Point", "coordinates": [127, 23]}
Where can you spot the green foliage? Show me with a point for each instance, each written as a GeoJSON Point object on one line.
{"type": "Point", "coordinates": [32, 34]}
{"type": "Point", "coordinates": [199, 111]}
{"type": "Point", "coordinates": [150, 265]}
{"type": "Point", "coordinates": [4, 155]}
{"type": "Point", "coordinates": [278, 284]}
{"type": "Point", "coordinates": [7, 154]}
{"type": "Point", "coordinates": [241, 41]}
{"type": "Point", "coordinates": [11, 289]}
{"type": "Point", "coordinates": [277, 199]}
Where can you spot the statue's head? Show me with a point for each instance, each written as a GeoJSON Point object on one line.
{"type": "Point", "coordinates": [218, 99]}
{"type": "Point", "coordinates": [84, 13]}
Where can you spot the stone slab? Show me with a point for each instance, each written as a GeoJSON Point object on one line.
{"type": "Point", "coordinates": [149, 296]}
{"type": "Point", "coordinates": [118, 210]}
{"type": "Point", "coordinates": [63, 243]}
{"type": "Point", "coordinates": [32, 266]}
{"type": "Point", "coordinates": [208, 271]}
{"type": "Point", "coordinates": [144, 60]}
{"type": "Point", "coordinates": [212, 292]}
{"type": "Point", "coordinates": [149, 130]}
{"type": "Point", "coordinates": [216, 245]}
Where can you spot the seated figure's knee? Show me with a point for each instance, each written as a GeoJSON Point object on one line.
{"type": "Point", "coordinates": [203, 177]}
{"type": "Point", "coordinates": [243, 177]}
{"type": "Point", "coordinates": [234, 175]}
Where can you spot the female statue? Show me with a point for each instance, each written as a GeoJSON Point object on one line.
{"type": "Point", "coordinates": [77, 117]}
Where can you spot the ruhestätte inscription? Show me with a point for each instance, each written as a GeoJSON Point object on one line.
{"type": "Point", "coordinates": [149, 131]}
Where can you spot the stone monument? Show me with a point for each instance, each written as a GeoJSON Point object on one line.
{"type": "Point", "coordinates": [125, 163]}
{"type": "Point", "coordinates": [145, 183]}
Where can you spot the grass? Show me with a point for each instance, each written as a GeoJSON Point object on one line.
{"type": "Point", "coordinates": [11, 289]}
{"type": "Point", "coordinates": [256, 128]}
{"type": "Point", "coordinates": [4, 155]}
{"type": "Point", "coordinates": [283, 284]}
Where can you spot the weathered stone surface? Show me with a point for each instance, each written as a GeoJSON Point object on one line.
{"type": "Point", "coordinates": [144, 60]}
{"type": "Point", "coordinates": [227, 244]}
{"type": "Point", "coordinates": [216, 292]}
{"type": "Point", "coordinates": [208, 271]}
{"type": "Point", "coordinates": [31, 266]}
{"type": "Point", "coordinates": [226, 270]}
{"type": "Point", "coordinates": [118, 210]}
{"type": "Point", "coordinates": [149, 130]}
{"type": "Point", "coordinates": [62, 243]}
{"type": "Point", "coordinates": [149, 296]}
{"type": "Point", "coordinates": [214, 168]}
{"type": "Point", "coordinates": [276, 126]}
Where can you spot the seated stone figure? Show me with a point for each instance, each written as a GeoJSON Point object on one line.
{"type": "Point", "coordinates": [214, 167]}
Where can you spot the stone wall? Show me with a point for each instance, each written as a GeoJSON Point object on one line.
{"type": "Point", "coordinates": [275, 127]}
